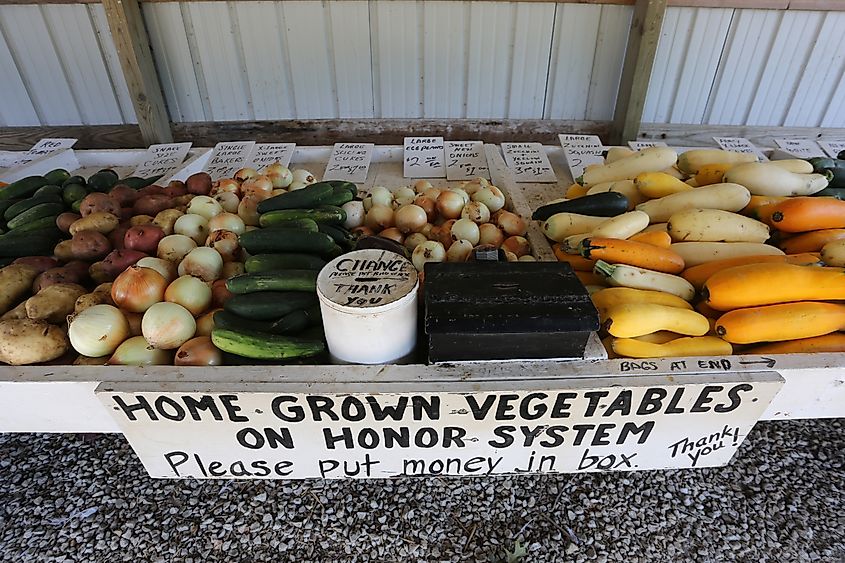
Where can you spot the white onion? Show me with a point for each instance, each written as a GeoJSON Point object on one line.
{"type": "Point", "coordinates": [421, 186]}
{"type": "Point", "coordinates": [98, 330]}
{"type": "Point", "coordinates": [280, 175]}
{"type": "Point", "coordinates": [164, 267]}
{"type": "Point", "coordinates": [300, 175]}
{"type": "Point", "coordinates": [465, 229]}
{"type": "Point", "coordinates": [192, 225]}
{"type": "Point", "coordinates": [462, 193]}
{"type": "Point", "coordinates": [248, 210]}
{"type": "Point", "coordinates": [511, 223]}
{"type": "Point", "coordinates": [226, 185]}
{"type": "Point", "coordinates": [174, 248]}
{"type": "Point", "coordinates": [297, 186]}
{"type": "Point", "coordinates": [168, 325]}
{"type": "Point", "coordinates": [459, 251]}
{"type": "Point", "coordinates": [404, 196]}
{"type": "Point", "coordinates": [433, 193]}
{"type": "Point", "coordinates": [490, 196]}
{"type": "Point", "coordinates": [379, 217]}
{"type": "Point", "coordinates": [354, 214]}
{"type": "Point", "coordinates": [232, 269]}
{"type": "Point", "coordinates": [228, 201]}
{"type": "Point", "coordinates": [202, 262]}
{"type": "Point", "coordinates": [190, 292]}
{"type": "Point", "coordinates": [518, 245]}
{"type": "Point", "coordinates": [245, 174]}
{"type": "Point", "coordinates": [261, 185]}
{"type": "Point", "coordinates": [429, 206]}
{"type": "Point", "coordinates": [136, 351]}
{"type": "Point", "coordinates": [429, 251]}
{"type": "Point", "coordinates": [368, 203]}
{"type": "Point", "coordinates": [490, 234]}
{"type": "Point", "coordinates": [381, 196]}
{"type": "Point", "coordinates": [476, 212]}
{"type": "Point", "coordinates": [450, 204]}
{"type": "Point", "coordinates": [226, 222]}
{"type": "Point", "coordinates": [410, 218]}
{"type": "Point", "coordinates": [204, 205]}
{"type": "Point", "coordinates": [205, 324]}
{"type": "Point", "coordinates": [414, 240]}
{"type": "Point", "coordinates": [226, 243]}
{"type": "Point", "coordinates": [394, 234]}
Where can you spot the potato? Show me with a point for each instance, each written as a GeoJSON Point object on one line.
{"type": "Point", "coordinates": [199, 183]}
{"type": "Point", "coordinates": [54, 303]}
{"type": "Point", "coordinates": [152, 189]}
{"type": "Point", "coordinates": [166, 219]}
{"type": "Point", "coordinates": [182, 201]}
{"type": "Point", "coordinates": [119, 260]}
{"type": "Point", "coordinates": [25, 341]}
{"type": "Point", "coordinates": [78, 266]}
{"type": "Point", "coordinates": [65, 220]}
{"type": "Point", "coordinates": [100, 296]}
{"type": "Point", "coordinates": [98, 203]}
{"type": "Point", "coordinates": [124, 195]}
{"type": "Point", "coordinates": [116, 237]}
{"type": "Point", "coordinates": [138, 220]}
{"type": "Point", "coordinates": [64, 251]}
{"type": "Point", "coordinates": [15, 283]}
{"type": "Point", "coordinates": [40, 263]}
{"type": "Point", "coordinates": [101, 273]}
{"type": "Point", "coordinates": [100, 221]}
{"type": "Point", "coordinates": [143, 238]}
{"type": "Point", "coordinates": [87, 361]}
{"type": "Point", "coordinates": [175, 188]}
{"type": "Point", "coordinates": [55, 276]}
{"type": "Point", "coordinates": [151, 205]}
{"type": "Point", "coordinates": [90, 245]}
{"type": "Point", "coordinates": [18, 312]}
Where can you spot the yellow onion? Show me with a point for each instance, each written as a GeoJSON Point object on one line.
{"type": "Point", "coordinates": [393, 234]}
{"type": "Point", "coordinates": [421, 186]}
{"type": "Point", "coordinates": [226, 222]}
{"type": "Point", "coordinates": [202, 262]}
{"type": "Point", "coordinates": [205, 206]}
{"type": "Point", "coordinates": [226, 243]}
{"type": "Point", "coordinates": [227, 185]}
{"type": "Point", "coordinates": [279, 175]}
{"type": "Point", "coordinates": [257, 185]}
{"type": "Point", "coordinates": [488, 233]}
{"type": "Point", "coordinates": [491, 196]}
{"type": "Point", "coordinates": [413, 240]}
{"type": "Point", "coordinates": [379, 217]}
{"type": "Point", "coordinates": [136, 351]}
{"type": "Point", "coordinates": [245, 174]}
{"type": "Point", "coordinates": [134, 320]}
{"type": "Point", "coordinates": [450, 204]}
{"type": "Point", "coordinates": [404, 196]}
{"type": "Point", "coordinates": [198, 351]}
{"type": "Point", "coordinates": [410, 218]}
{"type": "Point", "coordinates": [512, 223]}
{"type": "Point", "coordinates": [476, 212]}
{"type": "Point", "coordinates": [248, 210]}
{"type": "Point", "coordinates": [205, 324]}
{"type": "Point", "coordinates": [192, 225]}
{"type": "Point", "coordinates": [137, 289]}
{"type": "Point", "coordinates": [228, 201]}
{"type": "Point", "coordinates": [190, 292]}
{"type": "Point", "coordinates": [459, 251]}
{"type": "Point", "coordinates": [429, 251]}
{"type": "Point", "coordinates": [168, 325]}
{"type": "Point", "coordinates": [465, 229]}
{"type": "Point", "coordinates": [98, 330]}
{"type": "Point", "coordinates": [428, 205]}
{"type": "Point", "coordinates": [517, 245]}
{"type": "Point", "coordinates": [175, 247]}
{"type": "Point", "coordinates": [166, 268]}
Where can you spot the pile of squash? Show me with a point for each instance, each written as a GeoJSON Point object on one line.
{"type": "Point", "coordinates": [705, 253]}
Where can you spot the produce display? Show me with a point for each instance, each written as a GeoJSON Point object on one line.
{"type": "Point", "coordinates": [709, 252]}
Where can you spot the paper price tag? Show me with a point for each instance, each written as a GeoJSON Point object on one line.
{"type": "Point", "coordinates": [424, 157]}
{"type": "Point", "coordinates": [268, 153]}
{"type": "Point", "coordinates": [580, 140]}
{"type": "Point", "coordinates": [228, 158]}
{"type": "Point", "coordinates": [832, 148]}
{"type": "Point", "coordinates": [162, 160]}
{"type": "Point", "coordinates": [528, 162]}
{"type": "Point", "coordinates": [43, 148]}
{"type": "Point", "coordinates": [349, 162]}
{"type": "Point", "coordinates": [466, 160]}
{"type": "Point", "coordinates": [578, 158]}
{"type": "Point", "coordinates": [801, 148]}
{"type": "Point", "coordinates": [640, 145]}
{"type": "Point", "coordinates": [739, 144]}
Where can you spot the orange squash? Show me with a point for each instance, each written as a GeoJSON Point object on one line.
{"type": "Point", "coordinates": [802, 214]}
{"type": "Point", "coordinates": [656, 238]}
{"type": "Point", "coordinates": [758, 201]}
{"type": "Point", "coordinates": [618, 251]}
{"type": "Point", "coordinates": [812, 241]}
{"type": "Point", "coordinates": [786, 321]}
{"type": "Point", "coordinates": [697, 275]}
{"type": "Point", "coordinates": [834, 342]}
{"type": "Point", "coordinates": [578, 262]}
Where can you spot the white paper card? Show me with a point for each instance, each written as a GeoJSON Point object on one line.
{"type": "Point", "coordinates": [466, 160]}
{"type": "Point", "coordinates": [350, 162]}
{"type": "Point", "coordinates": [264, 154]}
{"type": "Point", "coordinates": [528, 162]}
{"type": "Point", "coordinates": [424, 157]}
{"type": "Point", "coordinates": [580, 151]}
{"type": "Point", "coordinates": [802, 148]}
{"type": "Point", "coordinates": [580, 140]}
{"type": "Point", "coordinates": [162, 160]}
{"type": "Point", "coordinates": [640, 145]}
{"type": "Point", "coordinates": [739, 144]}
{"type": "Point", "coordinates": [228, 158]}
{"type": "Point", "coordinates": [832, 148]}
{"type": "Point", "coordinates": [43, 148]}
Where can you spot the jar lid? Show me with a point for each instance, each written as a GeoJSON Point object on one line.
{"type": "Point", "coordinates": [367, 279]}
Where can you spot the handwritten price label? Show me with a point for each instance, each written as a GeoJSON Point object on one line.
{"type": "Point", "coordinates": [43, 148]}
{"type": "Point", "coordinates": [466, 160]}
{"type": "Point", "coordinates": [424, 157]}
{"type": "Point", "coordinates": [349, 162]}
{"type": "Point", "coordinates": [268, 153]}
{"type": "Point", "coordinates": [739, 144]}
{"type": "Point", "coordinates": [162, 160]}
{"type": "Point", "coordinates": [832, 148]}
{"type": "Point", "coordinates": [228, 158]}
{"type": "Point", "coordinates": [801, 148]}
{"type": "Point", "coordinates": [640, 145]}
{"type": "Point", "coordinates": [529, 163]}
{"type": "Point", "coordinates": [581, 151]}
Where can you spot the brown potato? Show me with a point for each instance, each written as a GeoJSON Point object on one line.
{"type": "Point", "coordinates": [90, 245]}
{"type": "Point", "coordinates": [26, 341]}
{"type": "Point", "coordinates": [199, 183]}
{"type": "Point", "coordinates": [166, 219]}
{"type": "Point", "coordinates": [64, 251]}
{"type": "Point", "coordinates": [98, 203]}
{"type": "Point", "coordinates": [15, 283]}
{"type": "Point", "coordinates": [151, 205]}
{"type": "Point", "coordinates": [97, 297]}
{"type": "Point", "coordinates": [138, 220]}
{"type": "Point", "coordinates": [65, 220]}
{"type": "Point", "coordinates": [55, 276]}
{"type": "Point", "coordinates": [40, 263]}
{"type": "Point", "coordinates": [99, 221]}
{"type": "Point", "coordinates": [101, 273]}
{"type": "Point", "coordinates": [18, 312]}
{"type": "Point", "coordinates": [54, 303]}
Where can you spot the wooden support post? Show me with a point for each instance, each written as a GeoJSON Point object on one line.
{"type": "Point", "coordinates": [133, 48]}
{"type": "Point", "coordinates": [636, 72]}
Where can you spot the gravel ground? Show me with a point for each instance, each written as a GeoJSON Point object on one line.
{"type": "Point", "coordinates": [87, 499]}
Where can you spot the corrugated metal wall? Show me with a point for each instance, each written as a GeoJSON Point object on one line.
{"type": "Point", "coordinates": [261, 60]}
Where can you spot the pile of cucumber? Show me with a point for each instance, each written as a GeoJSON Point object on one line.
{"type": "Point", "coordinates": [29, 208]}
{"type": "Point", "coordinates": [274, 313]}
{"type": "Point", "coordinates": [834, 168]}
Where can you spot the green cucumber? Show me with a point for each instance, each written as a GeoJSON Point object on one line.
{"type": "Point", "coordinates": [265, 346]}
{"type": "Point", "coordinates": [37, 212]}
{"type": "Point", "coordinates": [57, 176]}
{"type": "Point", "coordinates": [282, 280]}
{"type": "Point", "coordinates": [47, 190]}
{"type": "Point", "coordinates": [136, 182]}
{"type": "Point", "coordinates": [282, 261]}
{"type": "Point", "coordinates": [269, 305]}
{"type": "Point", "coordinates": [230, 321]}
{"type": "Point", "coordinates": [73, 192]}
{"type": "Point", "coordinates": [45, 222]}
{"type": "Point", "coordinates": [341, 236]}
{"type": "Point", "coordinates": [838, 193]}
{"type": "Point", "coordinates": [302, 224]}
{"type": "Point", "coordinates": [24, 187]}
{"type": "Point", "coordinates": [353, 189]}
{"type": "Point", "coordinates": [327, 214]}
{"type": "Point", "coordinates": [74, 180]}
{"type": "Point", "coordinates": [102, 181]}
{"type": "Point", "coordinates": [296, 322]}
{"type": "Point", "coordinates": [309, 196]}
{"type": "Point", "coordinates": [22, 206]}
{"type": "Point", "coordinates": [7, 203]}
{"type": "Point", "coordinates": [340, 195]}
{"type": "Point", "coordinates": [286, 240]}
{"type": "Point", "coordinates": [35, 243]}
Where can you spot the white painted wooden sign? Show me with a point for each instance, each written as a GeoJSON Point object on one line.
{"type": "Point", "coordinates": [640, 145]}
{"type": "Point", "coordinates": [581, 151]}
{"type": "Point", "coordinates": [228, 158]}
{"type": "Point", "coordinates": [801, 148]}
{"type": "Point", "coordinates": [276, 430]}
{"type": "Point", "coordinates": [528, 162]}
{"type": "Point", "coordinates": [739, 144]}
{"type": "Point", "coordinates": [349, 162]}
{"type": "Point", "coordinates": [264, 154]}
{"type": "Point", "coordinates": [466, 160]}
{"type": "Point", "coordinates": [43, 148]}
{"type": "Point", "coordinates": [832, 148]}
{"type": "Point", "coordinates": [424, 157]}
{"type": "Point", "coordinates": [162, 160]}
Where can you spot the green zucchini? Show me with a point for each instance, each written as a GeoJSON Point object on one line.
{"type": "Point", "coordinates": [14, 210]}
{"type": "Point", "coordinates": [37, 212]}
{"type": "Point", "coordinates": [280, 280]}
{"type": "Point", "coordinates": [286, 240]}
{"type": "Point", "coordinates": [309, 196]}
{"type": "Point", "coordinates": [282, 261]}
{"type": "Point", "coordinates": [605, 204]}
{"type": "Point", "coordinates": [57, 176]}
{"type": "Point", "coordinates": [302, 224]}
{"type": "Point", "coordinates": [24, 187]}
{"type": "Point", "coordinates": [265, 346]}
{"type": "Point", "coordinates": [269, 305]}
{"type": "Point", "coordinates": [340, 195]}
{"type": "Point", "coordinates": [327, 214]}
{"type": "Point", "coordinates": [341, 236]}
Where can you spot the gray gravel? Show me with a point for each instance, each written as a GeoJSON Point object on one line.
{"type": "Point", "coordinates": [86, 499]}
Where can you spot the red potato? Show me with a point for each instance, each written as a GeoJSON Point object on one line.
{"type": "Point", "coordinates": [40, 263]}
{"type": "Point", "coordinates": [124, 195]}
{"type": "Point", "coordinates": [65, 220]}
{"type": "Point", "coordinates": [126, 213]}
{"type": "Point", "coordinates": [137, 220]}
{"type": "Point", "coordinates": [100, 272]}
{"type": "Point", "coordinates": [175, 189]}
{"type": "Point", "coordinates": [80, 267]}
{"type": "Point", "coordinates": [144, 238]}
{"type": "Point", "coordinates": [116, 237]}
{"type": "Point", "coordinates": [119, 260]}
{"type": "Point", "coordinates": [152, 189]}
{"type": "Point", "coordinates": [90, 245]}
{"type": "Point", "coordinates": [152, 205]}
{"type": "Point", "coordinates": [55, 276]}
{"type": "Point", "coordinates": [199, 183]}
{"type": "Point", "coordinates": [94, 202]}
